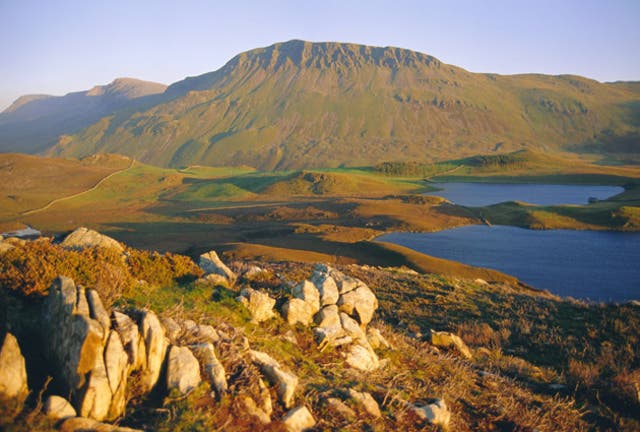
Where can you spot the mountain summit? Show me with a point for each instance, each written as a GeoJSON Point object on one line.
{"type": "Point", "coordinates": [302, 104]}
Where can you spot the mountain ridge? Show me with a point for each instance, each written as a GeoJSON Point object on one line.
{"type": "Point", "coordinates": [302, 104]}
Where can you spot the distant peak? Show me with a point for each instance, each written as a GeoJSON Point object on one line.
{"type": "Point", "coordinates": [23, 100]}
{"type": "Point", "coordinates": [129, 88]}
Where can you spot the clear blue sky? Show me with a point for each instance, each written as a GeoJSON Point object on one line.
{"type": "Point", "coordinates": [55, 47]}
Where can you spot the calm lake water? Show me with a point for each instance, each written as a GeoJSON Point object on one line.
{"type": "Point", "coordinates": [594, 265]}
{"type": "Point", "coordinates": [482, 194]}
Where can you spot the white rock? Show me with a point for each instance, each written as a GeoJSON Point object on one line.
{"type": "Point", "coordinates": [362, 358]}
{"type": "Point", "coordinates": [376, 339]}
{"type": "Point", "coordinates": [13, 372]}
{"type": "Point", "coordinates": [211, 263]}
{"type": "Point", "coordinates": [325, 284]}
{"type": "Point", "coordinates": [353, 329]}
{"type": "Point", "coordinates": [340, 408]}
{"type": "Point", "coordinates": [172, 328]}
{"type": "Point", "coordinates": [329, 316]}
{"type": "Point", "coordinates": [285, 382]}
{"type": "Point", "coordinates": [307, 292]}
{"type": "Point", "coordinates": [130, 336]}
{"type": "Point", "coordinates": [436, 413]}
{"type": "Point", "coordinates": [83, 238]}
{"type": "Point", "coordinates": [259, 304]}
{"type": "Point", "coordinates": [297, 311]}
{"type": "Point", "coordinates": [58, 408]}
{"type": "Point", "coordinates": [366, 402]}
{"type": "Point", "coordinates": [444, 339]}
{"type": "Point", "coordinates": [252, 410]}
{"type": "Point", "coordinates": [183, 370]}
{"type": "Point", "coordinates": [298, 419]}
{"type": "Point", "coordinates": [213, 369]}
{"type": "Point", "coordinates": [116, 363]}
{"type": "Point", "coordinates": [156, 345]}
{"type": "Point", "coordinates": [360, 303]}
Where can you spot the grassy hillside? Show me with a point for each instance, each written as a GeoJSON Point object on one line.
{"type": "Point", "coordinates": [301, 105]}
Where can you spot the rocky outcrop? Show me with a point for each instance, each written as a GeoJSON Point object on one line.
{"type": "Point", "coordinates": [298, 419]}
{"type": "Point", "coordinates": [210, 263]}
{"type": "Point", "coordinates": [285, 382]}
{"type": "Point", "coordinates": [83, 238]}
{"type": "Point", "coordinates": [360, 303]}
{"type": "Point", "coordinates": [183, 370]}
{"type": "Point", "coordinates": [13, 377]}
{"type": "Point", "coordinates": [132, 341]}
{"type": "Point", "coordinates": [448, 340]}
{"type": "Point", "coordinates": [77, 338]}
{"type": "Point", "coordinates": [58, 408]}
{"type": "Point", "coordinates": [309, 294]}
{"type": "Point", "coordinates": [259, 304]}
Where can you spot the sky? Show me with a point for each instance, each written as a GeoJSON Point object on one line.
{"type": "Point", "coordinates": [55, 47]}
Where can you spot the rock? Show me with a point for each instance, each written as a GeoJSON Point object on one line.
{"type": "Point", "coordinates": [189, 326]}
{"type": "Point", "coordinates": [307, 292]}
{"type": "Point", "coordinates": [253, 271]}
{"type": "Point", "coordinates": [130, 336]}
{"type": "Point", "coordinates": [446, 340]}
{"type": "Point", "coordinates": [116, 363]}
{"type": "Point", "coordinates": [351, 328]}
{"type": "Point", "coordinates": [345, 283]}
{"type": "Point", "coordinates": [75, 346]}
{"type": "Point", "coordinates": [13, 377]}
{"type": "Point", "coordinates": [213, 369]}
{"type": "Point", "coordinates": [325, 285]}
{"type": "Point", "coordinates": [285, 382]}
{"type": "Point", "coordinates": [366, 402]}
{"type": "Point", "coordinates": [265, 398]}
{"type": "Point", "coordinates": [298, 419]}
{"type": "Point", "coordinates": [172, 328]}
{"type": "Point", "coordinates": [207, 333]}
{"type": "Point", "coordinates": [97, 310]}
{"type": "Point", "coordinates": [436, 413]}
{"type": "Point", "coordinates": [362, 358]}
{"type": "Point", "coordinates": [360, 303]}
{"type": "Point", "coordinates": [81, 424]}
{"type": "Point", "coordinates": [214, 280]}
{"type": "Point", "coordinates": [210, 263]}
{"type": "Point", "coordinates": [183, 370]}
{"type": "Point", "coordinates": [83, 238]}
{"type": "Point", "coordinates": [58, 408]}
{"type": "Point", "coordinates": [259, 304]}
{"type": "Point", "coordinates": [376, 340]}
{"type": "Point", "coordinates": [252, 410]}
{"type": "Point", "coordinates": [156, 345]}
{"type": "Point", "coordinates": [340, 408]}
{"type": "Point", "coordinates": [329, 316]}
{"type": "Point", "coordinates": [298, 311]}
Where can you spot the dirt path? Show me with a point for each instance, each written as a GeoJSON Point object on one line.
{"type": "Point", "coordinates": [96, 186]}
{"type": "Point", "coordinates": [443, 173]}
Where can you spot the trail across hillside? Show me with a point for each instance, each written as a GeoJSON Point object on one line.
{"type": "Point", "coordinates": [94, 187]}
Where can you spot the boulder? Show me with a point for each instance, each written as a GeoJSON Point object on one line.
{"type": "Point", "coordinates": [13, 377]}
{"type": "Point", "coordinates": [97, 310]}
{"type": "Point", "coordinates": [329, 316]}
{"type": "Point", "coordinates": [81, 424]}
{"type": "Point", "coordinates": [211, 263]}
{"type": "Point", "coordinates": [156, 345]}
{"type": "Point", "coordinates": [214, 280]}
{"type": "Point", "coordinates": [344, 282]}
{"type": "Point", "coordinates": [132, 342]}
{"type": "Point", "coordinates": [351, 328]}
{"type": "Point", "coordinates": [213, 369]}
{"type": "Point", "coordinates": [366, 402]}
{"type": "Point", "coordinates": [298, 311]}
{"type": "Point", "coordinates": [285, 382]}
{"type": "Point", "coordinates": [83, 238]}
{"type": "Point", "coordinates": [325, 285]}
{"type": "Point", "coordinates": [172, 328]}
{"type": "Point", "coordinates": [265, 398]}
{"type": "Point", "coordinates": [447, 340]}
{"type": "Point", "coordinates": [360, 303]}
{"type": "Point", "coordinates": [436, 413]}
{"type": "Point", "coordinates": [307, 292]}
{"type": "Point", "coordinates": [207, 333]}
{"type": "Point", "coordinates": [362, 358]}
{"type": "Point", "coordinates": [260, 305]}
{"type": "Point", "coordinates": [95, 402]}
{"type": "Point", "coordinates": [58, 408]}
{"type": "Point", "coordinates": [298, 419]}
{"type": "Point", "coordinates": [183, 370]}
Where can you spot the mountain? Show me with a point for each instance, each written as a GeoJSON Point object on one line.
{"type": "Point", "coordinates": [34, 122]}
{"type": "Point", "coordinates": [301, 104]}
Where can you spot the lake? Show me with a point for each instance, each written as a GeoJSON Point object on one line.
{"type": "Point", "coordinates": [594, 265]}
{"type": "Point", "coordinates": [482, 194]}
